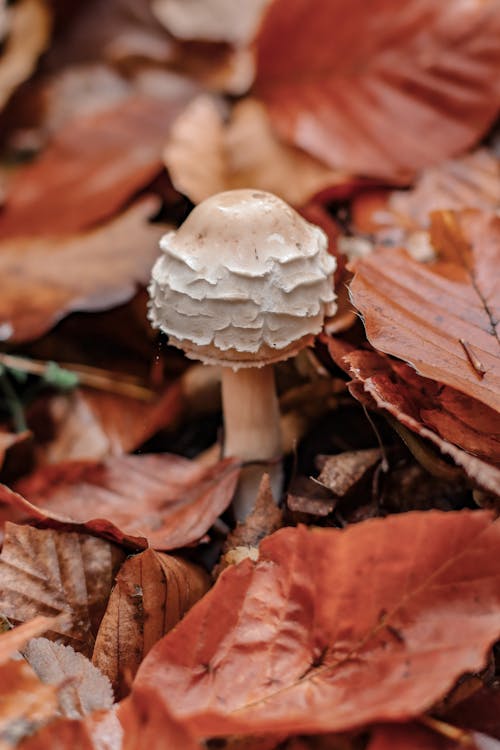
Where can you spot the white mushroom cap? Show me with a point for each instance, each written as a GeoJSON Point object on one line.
{"type": "Point", "coordinates": [244, 282]}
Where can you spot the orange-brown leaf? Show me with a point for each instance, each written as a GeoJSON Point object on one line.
{"type": "Point", "coordinates": [443, 317]}
{"type": "Point", "coordinates": [148, 724]}
{"type": "Point", "coordinates": [45, 572]}
{"type": "Point", "coordinates": [153, 592]}
{"type": "Point", "coordinates": [164, 501]}
{"type": "Point", "coordinates": [13, 640]}
{"type": "Point", "coordinates": [25, 702]}
{"type": "Point", "coordinates": [372, 88]}
{"type": "Point", "coordinates": [331, 630]}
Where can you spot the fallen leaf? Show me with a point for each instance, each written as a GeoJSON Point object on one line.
{"type": "Point", "coordinates": [29, 31]}
{"type": "Point", "coordinates": [372, 90]}
{"type": "Point", "coordinates": [46, 278]}
{"type": "Point", "coordinates": [47, 572]}
{"type": "Point", "coordinates": [206, 155]}
{"type": "Point", "coordinates": [211, 20]}
{"type": "Point", "coordinates": [82, 688]}
{"type": "Point", "coordinates": [100, 731]}
{"type": "Point", "coordinates": [91, 168]}
{"type": "Point", "coordinates": [306, 495]}
{"type": "Point", "coordinates": [462, 428]}
{"type": "Point", "coordinates": [88, 424]}
{"type": "Point", "coordinates": [264, 519]}
{"type": "Point", "coordinates": [340, 473]}
{"type": "Point", "coordinates": [442, 318]}
{"type": "Point", "coordinates": [25, 702]}
{"type": "Point", "coordinates": [331, 630]}
{"type": "Point", "coordinates": [13, 640]}
{"type": "Point", "coordinates": [164, 501]}
{"type": "Point", "coordinates": [147, 724]}
{"type": "Point", "coordinates": [153, 592]}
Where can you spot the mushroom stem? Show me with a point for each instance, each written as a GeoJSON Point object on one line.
{"type": "Point", "coordinates": [252, 430]}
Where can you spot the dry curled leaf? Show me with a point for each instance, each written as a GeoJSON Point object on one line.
{"type": "Point", "coordinates": [358, 84]}
{"type": "Point", "coordinates": [89, 424]}
{"type": "Point", "coordinates": [164, 501]}
{"type": "Point", "coordinates": [462, 428]}
{"type": "Point", "coordinates": [442, 317]}
{"type": "Point", "coordinates": [91, 168]}
{"type": "Point", "coordinates": [331, 630]}
{"type": "Point", "coordinates": [45, 278]}
{"type": "Point", "coordinates": [340, 473]}
{"type": "Point", "coordinates": [82, 688]}
{"type": "Point", "coordinates": [153, 592]}
{"type": "Point", "coordinates": [45, 572]}
{"type": "Point", "coordinates": [205, 155]}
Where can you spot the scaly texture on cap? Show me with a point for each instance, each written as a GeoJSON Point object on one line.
{"type": "Point", "coordinates": [245, 281]}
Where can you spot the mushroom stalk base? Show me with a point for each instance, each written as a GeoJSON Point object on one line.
{"type": "Point", "coordinates": [252, 431]}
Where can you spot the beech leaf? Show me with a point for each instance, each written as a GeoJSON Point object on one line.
{"type": "Point", "coordinates": [45, 278]}
{"type": "Point", "coordinates": [153, 592]}
{"type": "Point", "coordinates": [49, 573]}
{"type": "Point", "coordinates": [164, 501]}
{"type": "Point", "coordinates": [357, 84]}
{"type": "Point", "coordinates": [13, 640]}
{"type": "Point", "coordinates": [330, 630]}
{"type": "Point", "coordinates": [25, 702]}
{"type": "Point", "coordinates": [442, 318]}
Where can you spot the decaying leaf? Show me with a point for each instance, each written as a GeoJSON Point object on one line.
{"type": "Point", "coordinates": [205, 155]}
{"type": "Point", "coordinates": [153, 592]}
{"type": "Point", "coordinates": [331, 630]}
{"type": "Point", "coordinates": [91, 168]}
{"type": "Point", "coordinates": [45, 278]}
{"type": "Point", "coordinates": [357, 84]}
{"type": "Point", "coordinates": [45, 572]}
{"type": "Point", "coordinates": [442, 318]}
{"type": "Point", "coordinates": [163, 501]}
{"type": "Point", "coordinates": [88, 424]}
{"type": "Point", "coordinates": [440, 414]}
{"type": "Point", "coordinates": [82, 688]}
{"type": "Point", "coordinates": [28, 33]}
{"type": "Point", "coordinates": [340, 473]}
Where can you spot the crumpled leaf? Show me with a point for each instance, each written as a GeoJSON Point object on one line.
{"type": "Point", "coordinates": [45, 278]}
{"type": "Point", "coordinates": [210, 20]}
{"type": "Point", "coordinates": [440, 414]}
{"type": "Point", "coordinates": [164, 501]}
{"type": "Point", "coordinates": [29, 26]}
{"type": "Point", "coordinates": [375, 89]}
{"type": "Point", "coordinates": [204, 155]}
{"type": "Point", "coordinates": [88, 424]}
{"type": "Point", "coordinates": [153, 592]}
{"type": "Point", "coordinates": [91, 167]}
{"type": "Point", "coordinates": [341, 472]}
{"type": "Point", "coordinates": [442, 318]}
{"type": "Point", "coordinates": [45, 572]}
{"type": "Point", "coordinates": [331, 630]}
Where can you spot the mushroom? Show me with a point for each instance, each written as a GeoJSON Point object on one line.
{"type": "Point", "coordinates": [243, 283]}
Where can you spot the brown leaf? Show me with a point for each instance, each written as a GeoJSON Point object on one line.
{"type": "Point", "coordinates": [13, 640]}
{"type": "Point", "coordinates": [442, 318]}
{"type": "Point", "coordinates": [341, 628]}
{"type": "Point", "coordinates": [264, 519]}
{"type": "Point", "coordinates": [45, 278]}
{"type": "Point", "coordinates": [204, 155]}
{"type": "Point", "coordinates": [340, 473]}
{"type": "Point", "coordinates": [25, 702]}
{"type": "Point", "coordinates": [100, 731]}
{"type": "Point", "coordinates": [147, 724]}
{"type": "Point", "coordinates": [153, 592]}
{"type": "Point", "coordinates": [52, 572]}
{"type": "Point", "coordinates": [164, 501]}
{"type": "Point", "coordinates": [91, 168]}
{"type": "Point", "coordinates": [88, 424]}
{"type": "Point", "coordinates": [358, 84]}
{"type": "Point", "coordinates": [28, 34]}
{"type": "Point", "coordinates": [82, 687]}
{"type": "Point", "coordinates": [440, 414]}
